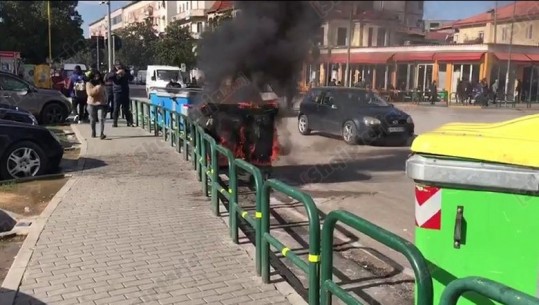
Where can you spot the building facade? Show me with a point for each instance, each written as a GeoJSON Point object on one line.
{"type": "Point", "coordinates": [495, 25]}
{"type": "Point", "coordinates": [192, 14]}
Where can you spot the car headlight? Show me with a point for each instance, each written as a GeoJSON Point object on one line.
{"type": "Point", "coordinates": [371, 121]}
{"type": "Point", "coordinates": [55, 136]}
{"type": "Point", "coordinates": [409, 120]}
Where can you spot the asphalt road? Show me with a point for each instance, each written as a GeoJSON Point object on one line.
{"type": "Point", "coordinates": [368, 181]}
{"type": "Point", "coordinates": [137, 91]}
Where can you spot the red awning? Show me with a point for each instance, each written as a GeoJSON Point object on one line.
{"type": "Point", "coordinates": [371, 58]}
{"type": "Point", "coordinates": [533, 57]}
{"type": "Point", "coordinates": [357, 58]}
{"type": "Point", "coordinates": [459, 56]}
{"type": "Point", "coordinates": [414, 56]}
{"type": "Point", "coordinates": [514, 57]}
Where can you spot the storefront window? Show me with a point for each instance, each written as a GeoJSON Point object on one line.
{"type": "Point", "coordinates": [442, 73]}
{"type": "Point", "coordinates": [380, 77]}
{"type": "Point", "coordinates": [402, 76]}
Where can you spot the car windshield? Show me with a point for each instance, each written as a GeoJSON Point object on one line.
{"type": "Point", "coordinates": [361, 97]}
{"type": "Point", "coordinates": [167, 75]}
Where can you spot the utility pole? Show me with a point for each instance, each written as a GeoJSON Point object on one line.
{"type": "Point", "coordinates": [97, 55]}
{"type": "Point", "coordinates": [50, 31]}
{"type": "Point", "coordinates": [495, 21]}
{"type": "Point", "coordinates": [507, 73]}
{"type": "Point", "coordinates": [109, 34]}
{"type": "Point", "coordinates": [347, 78]}
{"type": "Point", "coordinates": [113, 50]}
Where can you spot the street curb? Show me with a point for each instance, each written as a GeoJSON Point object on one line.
{"type": "Point", "coordinates": [17, 270]}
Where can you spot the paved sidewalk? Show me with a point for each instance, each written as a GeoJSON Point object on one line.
{"type": "Point", "coordinates": [135, 229]}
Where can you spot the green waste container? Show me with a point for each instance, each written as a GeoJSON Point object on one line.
{"type": "Point", "coordinates": [477, 203]}
{"type": "Point", "coordinates": [443, 96]}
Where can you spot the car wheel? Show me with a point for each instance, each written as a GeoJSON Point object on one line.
{"type": "Point", "coordinates": [24, 159]}
{"type": "Point", "coordinates": [53, 114]}
{"type": "Point", "coordinates": [303, 125]}
{"type": "Point", "coordinates": [349, 133]}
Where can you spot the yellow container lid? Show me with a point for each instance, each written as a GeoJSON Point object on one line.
{"type": "Point", "coordinates": [511, 142]}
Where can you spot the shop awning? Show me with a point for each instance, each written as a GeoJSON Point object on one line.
{"type": "Point", "coordinates": [371, 58]}
{"type": "Point", "coordinates": [357, 58]}
{"type": "Point", "coordinates": [414, 56]}
{"type": "Point", "coordinates": [514, 57]}
{"type": "Point", "coordinates": [459, 56]}
{"type": "Point", "coordinates": [533, 57]}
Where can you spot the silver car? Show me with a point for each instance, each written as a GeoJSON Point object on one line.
{"type": "Point", "coordinates": [48, 106]}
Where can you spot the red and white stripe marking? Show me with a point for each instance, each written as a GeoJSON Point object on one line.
{"type": "Point", "coordinates": [428, 207]}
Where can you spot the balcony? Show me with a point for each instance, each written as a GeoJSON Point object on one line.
{"type": "Point", "coordinates": [477, 40]}
{"type": "Point", "coordinates": [195, 13]}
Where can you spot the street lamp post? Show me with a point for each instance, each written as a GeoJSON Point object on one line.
{"type": "Point", "coordinates": [109, 35]}
{"type": "Point", "coordinates": [507, 73]}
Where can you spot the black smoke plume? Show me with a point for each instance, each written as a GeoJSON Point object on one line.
{"type": "Point", "coordinates": [267, 43]}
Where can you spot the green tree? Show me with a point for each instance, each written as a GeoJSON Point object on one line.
{"type": "Point", "coordinates": [176, 46]}
{"type": "Point", "coordinates": [24, 28]}
{"type": "Point", "coordinates": [138, 44]}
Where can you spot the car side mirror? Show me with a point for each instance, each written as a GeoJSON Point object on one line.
{"type": "Point", "coordinates": [153, 78]}
{"type": "Point", "coordinates": [391, 105]}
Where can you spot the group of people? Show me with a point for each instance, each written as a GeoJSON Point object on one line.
{"type": "Point", "coordinates": [94, 95]}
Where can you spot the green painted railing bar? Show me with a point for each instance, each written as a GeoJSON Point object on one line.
{"type": "Point", "coordinates": [340, 293]}
{"type": "Point", "coordinates": [423, 278]}
{"type": "Point", "coordinates": [488, 288]}
{"type": "Point", "coordinates": [235, 209]}
{"type": "Point", "coordinates": [231, 193]}
{"type": "Point", "coordinates": [285, 252]}
{"type": "Point", "coordinates": [314, 235]}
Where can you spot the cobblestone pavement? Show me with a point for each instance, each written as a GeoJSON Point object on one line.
{"type": "Point", "coordinates": [135, 229]}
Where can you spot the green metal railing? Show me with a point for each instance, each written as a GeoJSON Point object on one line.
{"type": "Point", "coordinates": [231, 192]}
{"type": "Point", "coordinates": [424, 293]}
{"type": "Point", "coordinates": [312, 268]}
{"type": "Point", "coordinates": [235, 210]}
{"type": "Point", "coordinates": [204, 152]}
{"type": "Point", "coordinates": [491, 289]}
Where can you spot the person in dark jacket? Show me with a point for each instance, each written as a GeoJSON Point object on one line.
{"type": "Point", "coordinates": [77, 91]}
{"type": "Point", "coordinates": [109, 80]}
{"type": "Point", "coordinates": [120, 91]}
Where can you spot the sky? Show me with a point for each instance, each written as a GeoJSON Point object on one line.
{"type": "Point", "coordinates": [441, 10]}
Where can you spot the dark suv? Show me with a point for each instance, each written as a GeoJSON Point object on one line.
{"type": "Point", "coordinates": [358, 115]}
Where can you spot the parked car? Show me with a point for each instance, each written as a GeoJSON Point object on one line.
{"type": "Point", "coordinates": [48, 106]}
{"type": "Point", "coordinates": [355, 114]}
{"type": "Point", "coordinates": [27, 150]}
{"type": "Point", "coordinates": [14, 113]}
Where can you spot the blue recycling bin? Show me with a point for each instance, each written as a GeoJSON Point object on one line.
{"type": "Point", "coordinates": [175, 99]}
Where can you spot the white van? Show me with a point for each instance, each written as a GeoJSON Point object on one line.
{"type": "Point", "coordinates": [69, 68]}
{"type": "Point", "coordinates": [160, 76]}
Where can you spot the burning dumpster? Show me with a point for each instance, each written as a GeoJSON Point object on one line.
{"type": "Point", "coordinates": [247, 129]}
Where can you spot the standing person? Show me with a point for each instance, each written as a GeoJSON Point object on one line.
{"type": "Point", "coordinates": [433, 92]}
{"type": "Point", "coordinates": [120, 88]}
{"type": "Point", "coordinates": [109, 80]}
{"type": "Point", "coordinates": [495, 87]}
{"type": "Point", "coordinates": [97, 102]}
{"type": "Point", "coordinates": [77, 92]}
{"type": "Point", "coordinates": [518, 90]}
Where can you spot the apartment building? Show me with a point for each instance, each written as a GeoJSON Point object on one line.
{"type": "Point", "coordinates": [193, 15]}
{"type": "Point", "coordinates": [159, 13]}
{"type": "Point", "coordinates": [373, 24]}
{"type": "Point", "coordinates": [495, 25]}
